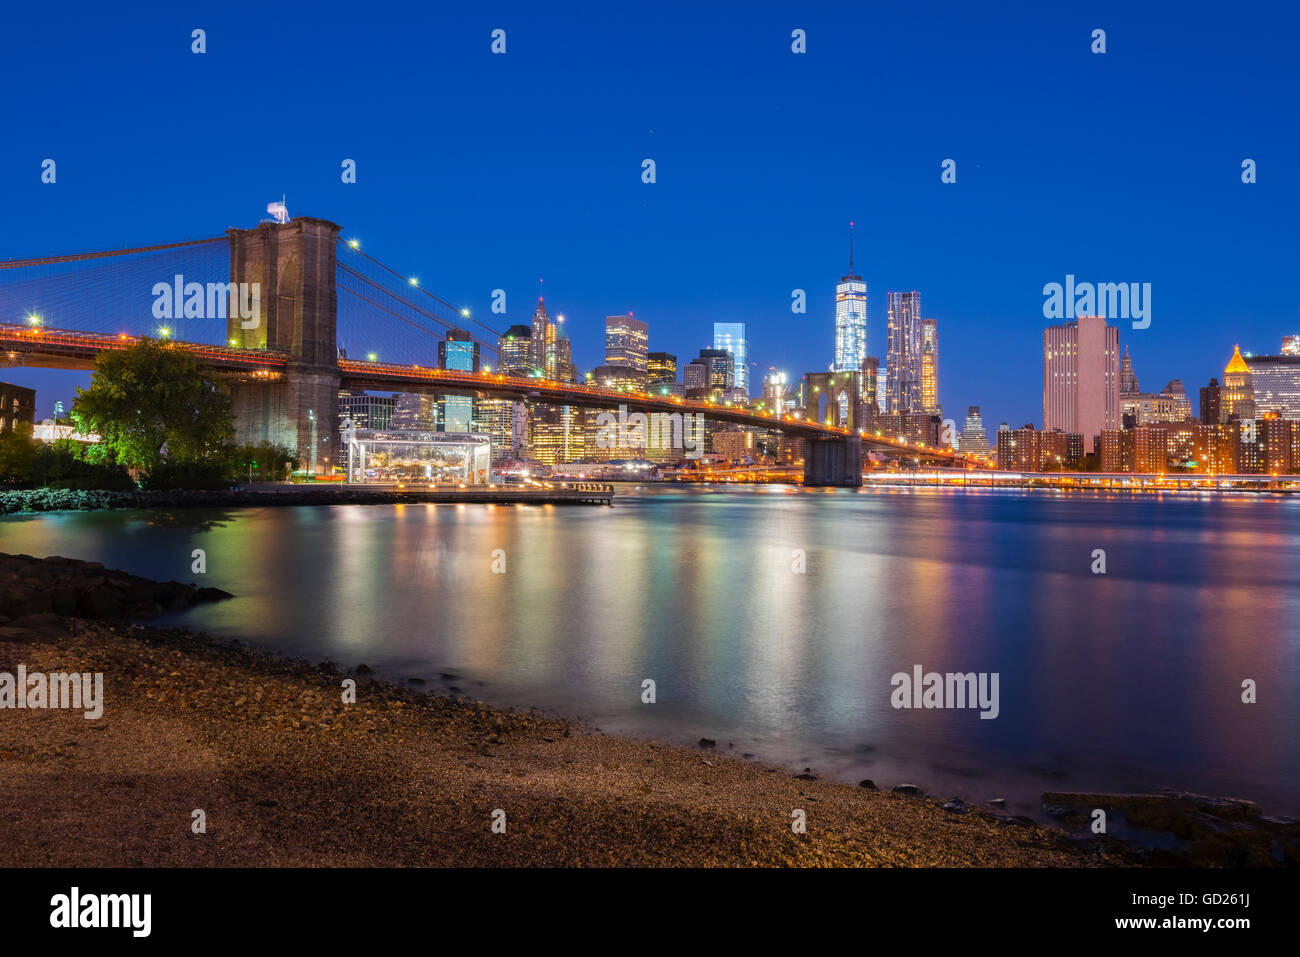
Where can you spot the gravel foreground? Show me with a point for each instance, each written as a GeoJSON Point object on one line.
{"type": "Point", "coordinates": [287, 774]}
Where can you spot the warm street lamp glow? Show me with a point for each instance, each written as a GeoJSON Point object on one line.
{"type": "Point", "coordinates": [372, 357]}
{"type": "Point", "coordinates": [413, 281]}
{"type": "Point", "coordinates": [164, 331]}
{"type": "Point", "coordinates": [354, 243]}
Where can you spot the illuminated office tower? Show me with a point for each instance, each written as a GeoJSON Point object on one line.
{"type": "Point", "coordinates": [367, 411]}
{"type": "Point", "coordinates": [557, 434]}
{"type": "Point", "coordinates": [1275, 384]}
{"type": "Point", "coordinates": [903, 362]}
{"type": "Point", "coordinates": [415, 413]}
{"type": "Point", "coordinates": [626, 342]}
{"type": "Point", "coordinates": [730, 337]}
{"type": "Point", "coordinates": [720, 374]}
{"type": "Point", "coordinates": [774, 386]}
{"type": "Point", "coordinates": [695, 379]}
{"type": "Point", "coordinates": [930, 365]}
{"type": "Point", "coordinates": [661, 369]}
{"type": "Point", "coordinates": [513, 352]}
{"type": "Point", "coordinates": [1238, 388]}
{"type": "Point", "coordinates": [1081, 378]}
{"type": "Point", "coordinates": [850, 319]}
{"type": "Point", "coordinates": [1291, 345]}
{"type": "Point", "coordinates": [459, 352]}
{"type": "Point", "coordinates": [973, 437]}
{"type": "Point", "coordinates": [541, 346]}
{"type": "Point", "coordinates": [882, 385]}
{"type": "Point", "coordinates": [565, 370]}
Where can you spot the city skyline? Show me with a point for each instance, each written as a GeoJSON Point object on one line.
{"type": "Point", "coordinates": [743, 212]}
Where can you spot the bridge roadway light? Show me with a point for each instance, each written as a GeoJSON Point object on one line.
{"type": "Point", "coordinates": [413, 281]}
{"type": "Point", "coordinates": [164, 331]}
{"type": "Point", "coordinates": [354, 243]}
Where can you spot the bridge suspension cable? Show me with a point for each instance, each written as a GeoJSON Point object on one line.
{"type": "Point", "coordinates": [79, 257]}
{"type": "Point", "coordinates": [364, 255]}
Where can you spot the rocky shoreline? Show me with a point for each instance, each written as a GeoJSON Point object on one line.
{"type": "Point", "coordinates": [287, 772]}
{"type": "Point", "coordinates": [13, 502]}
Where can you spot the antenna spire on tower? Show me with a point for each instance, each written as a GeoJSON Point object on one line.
{"type": "Point", "coordinates": [850, 247]}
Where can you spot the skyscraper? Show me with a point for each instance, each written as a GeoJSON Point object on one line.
{"type": "Point", "coordinates": [541, 346]}
{"type": "Point", "coordinates": [730, 337]}
{"type": "Point", "coordinates": [1238, 389]}
{"type": "Point", "coordinates": [661, 367]}
{"type": "Point", "coordinates": [1211, 403]}
{"type": "Point", "coordinates": [850, 319]}
{"type": "Point", "coordinates": [1291, 345]}
{"type": "Point", "coordinates": [903, 362]}
{"type": "Point", "coordinates": [720, 374]}
{"type": "Point", "coordinates": [458, 352]}
{"type": "Point", "coordinates": [626, 342]}
{"type": "Point", "coordinates": [1275, 384]}
{"type": "Point", "coordinates": [973, 436]}
{"type": "Point", "coordinates": [513, 357]}
{"type": "Point", "coordinates": [1081, 377]}
{"type": "Point", "coordinates": [930, 365]}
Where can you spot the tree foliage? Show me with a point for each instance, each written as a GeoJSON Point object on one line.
{"type": "Point", "coordinates": [156, 410]}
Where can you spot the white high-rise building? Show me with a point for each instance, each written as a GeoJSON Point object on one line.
{"type": "Point", "coordinates": [850, 319]}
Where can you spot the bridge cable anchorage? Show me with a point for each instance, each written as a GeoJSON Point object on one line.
{"type": "Point", "coordinates": [388, 269]}
{"type": "Point", "coordinates": [490, 346]}
{"type": "Point", "coordinates": [79, 257]}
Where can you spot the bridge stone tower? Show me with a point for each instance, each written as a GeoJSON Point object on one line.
{"type": "Point", "coordinates": [293, 265]}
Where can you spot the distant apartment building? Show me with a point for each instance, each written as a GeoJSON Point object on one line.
{"type": "Point", "coordinates": [903, 361]}
{"type": "Point", "coordinates": [367, 411]}
{"type": "Point", "coordinates": [1134, 450]}
{"type": "Point", "coordinates": [1217, 448]}
{"type": "Point", "coordinates": [17, 407]}
{"type": "Point", "coordinates": [1081, 377]}
{"type": "Point", "coordinates": [913, 427]}
{"type": "Point", "coordinates": [1027, 449]}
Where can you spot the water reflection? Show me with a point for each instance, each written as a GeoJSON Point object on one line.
{"type": "Point", "coordinates": [1125, 680]}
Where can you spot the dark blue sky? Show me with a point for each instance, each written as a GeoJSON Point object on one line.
{"type": "Point", "coordinates": [478, 171]}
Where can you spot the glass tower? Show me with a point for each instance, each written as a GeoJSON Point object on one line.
{"type": "Point", "coordinates": [730, 337]}
{"type": "Point", "coordinates": [850, 319]}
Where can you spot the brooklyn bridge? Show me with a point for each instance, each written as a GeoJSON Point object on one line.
{"type": "Point", "coordinates": [331, 317]}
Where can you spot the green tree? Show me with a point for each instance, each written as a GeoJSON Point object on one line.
{"type": "Point", "coordinates": [17, 457]}
{"type": "Point", "coordinates": [156, 410]}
